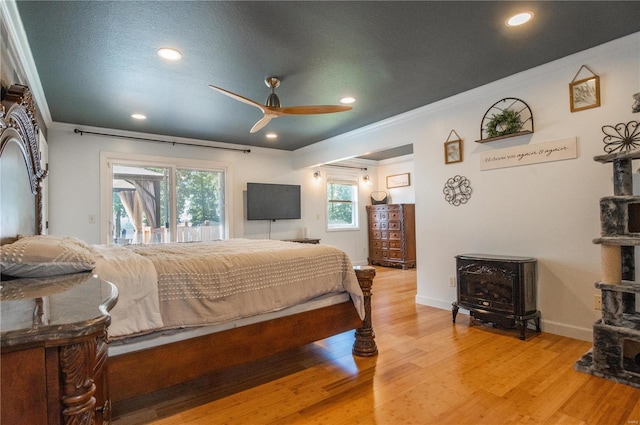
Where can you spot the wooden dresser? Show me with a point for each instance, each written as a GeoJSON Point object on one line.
{"type": "Point", "coordinates": [53, 357]}
{"type": "Point", "coordinates": [392, 235]}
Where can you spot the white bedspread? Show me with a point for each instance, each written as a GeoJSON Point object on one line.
{"type": "Point", "coordinates": [193, 284]}
{"type": "Point", "coordinates": [138, 307]}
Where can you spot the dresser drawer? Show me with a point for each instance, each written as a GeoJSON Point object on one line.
{"type": "Point", "coordinates": [395, 235]}
{"type": "Point", "coordinates": [379, 216]}
{"type": "Point", "coordinates": [395, 244]}
{"type": "Point", "coordinates": [394, 254]}
{"type": "Point", "coordinates": [394, 225]}
{"type": "Point", "coordinates": [377, 253]}
{"type": "Point", "coordinates": [395, 215]}
{"type": "Point", "coordinates": [376, 244]}
{"type": "Point", "coordinates": [380, 225]}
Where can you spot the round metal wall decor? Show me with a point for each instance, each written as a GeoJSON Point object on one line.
{"type": "Point", "coordinates": [621, 137]}
{"type": "Point", "coordinates": [457, 190]}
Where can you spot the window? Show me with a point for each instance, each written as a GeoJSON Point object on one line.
{"type": "Point", "coordinates": [158, 200]}
{"type": "Point", "coordinates": [200, 196]}
{"type": "Point", "coordinates": [342, 205]}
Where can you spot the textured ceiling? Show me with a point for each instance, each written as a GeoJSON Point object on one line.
{"type": "Point", "coordinates": [97, 59]}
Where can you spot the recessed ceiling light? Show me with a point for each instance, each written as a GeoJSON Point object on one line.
{"type": "Point", "coordinates": [272, 136]}
{"type": "Point", "coordinates": [138, 116]}
{"type": "Point", "coordinates": [519, 19]}
{"type": "Point", "coordinates": [169, 54]}
{"type": "Point", "coordinates": [347, 100]}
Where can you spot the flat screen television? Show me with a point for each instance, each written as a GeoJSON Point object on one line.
{"type": "Point", "coordinates": [273, 201]}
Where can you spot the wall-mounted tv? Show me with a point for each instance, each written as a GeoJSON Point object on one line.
{"type": "Point", "coordinates": [273, 201]}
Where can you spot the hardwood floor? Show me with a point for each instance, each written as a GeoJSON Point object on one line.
{"type": "Point", "coordinates": [429, 371]}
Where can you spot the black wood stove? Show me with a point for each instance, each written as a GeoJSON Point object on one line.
{"type": "Point", "coordinates": [497, 289]}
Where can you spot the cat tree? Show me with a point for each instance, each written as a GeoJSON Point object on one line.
{"type": "Point", "coordinates": [615, 354]}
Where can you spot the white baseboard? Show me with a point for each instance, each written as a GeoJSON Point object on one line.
{"type": "Point", "coordinates": [562, 329]}
{"type": "Point", "coordinates": [432, 302]}
{"type": "Point", "coordinates": [570, 331]}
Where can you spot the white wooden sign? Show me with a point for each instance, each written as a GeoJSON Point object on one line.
{"type": "Point", "coordinates": [557, 150]}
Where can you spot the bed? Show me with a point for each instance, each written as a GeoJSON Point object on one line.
{"type": "Point", "coordinates": [170, 324]}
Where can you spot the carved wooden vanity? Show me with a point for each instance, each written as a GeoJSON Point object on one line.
{"type": "Point", "coordinates": [53, 334]}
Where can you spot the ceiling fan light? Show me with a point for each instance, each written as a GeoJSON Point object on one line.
{"type": "Point", "coordinates": [348, 100]}
{"type": "Point", "coordinates": [273, 101]}
{"type": "Point", "coordinates": [169, 53]}
{"type": "Point", "coordinates": [138, 116]}
{"type": "Point", "coordinates": [519, 19]}
{"type": "Point", "coordinates": [271, 136]}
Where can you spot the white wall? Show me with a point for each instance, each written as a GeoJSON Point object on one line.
{"type": "Point", "coordinates": [400, 165]}
{"type": "Point", "coordinates": [74, 182]}
{"type": "Point", "coordinates": [354, 242]}
{"type": "Point", "coordinates": [74, 176]}
{"type": "Point", "coordinates": [549, 211]}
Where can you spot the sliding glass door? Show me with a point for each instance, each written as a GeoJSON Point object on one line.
{"type": "Point", "coordinates": [159, 202]}
{"type": "Point", "coordinates": [200, 200]}
{"type": "Point", "coordinates": [140, 204]}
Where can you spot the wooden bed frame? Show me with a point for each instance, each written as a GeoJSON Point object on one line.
{"type": "Point", "coordinates": [134, 374]}
{"type": "Point", "coordinates": [145, 371]}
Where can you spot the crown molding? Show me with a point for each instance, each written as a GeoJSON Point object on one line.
{"type": "Point", "coordinates": [16, 32]}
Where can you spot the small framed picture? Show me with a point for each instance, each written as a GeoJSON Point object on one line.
{"type": "Point", "coordinates": [453, 151]}
{"type": "Point", "coordinates": [398, 180]}
{"type": "Point", "coordinates": [585, 93]}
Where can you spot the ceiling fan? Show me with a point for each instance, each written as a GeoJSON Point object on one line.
{"type": "Point", "coordinates": [272, 109]}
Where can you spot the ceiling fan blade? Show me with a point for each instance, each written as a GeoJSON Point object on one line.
{"type": "Point", "coordinates": [312, 110]}
{"type": "Point", "coordinates": [239, 98]}
{"type": "Point", "coordinates": [264, 121]}
{"type": "Point", "coordinates": [273, 110]}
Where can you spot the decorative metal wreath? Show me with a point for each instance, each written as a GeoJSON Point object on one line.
{"type": "Point", "coordinates": [506, 122]}
{"type": "Point", "coordinates": [457, 190]}
{"type": "Point", "coordinates": [621, 137]}
{"type": "Point", "coordinates": [508, 116]}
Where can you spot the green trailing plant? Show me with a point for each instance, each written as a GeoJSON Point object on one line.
{"type": "Point", "coordinates": [506, 122]}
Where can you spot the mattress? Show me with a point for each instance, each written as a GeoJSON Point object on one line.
{"type": "Point", "coordinates": [181, 285]}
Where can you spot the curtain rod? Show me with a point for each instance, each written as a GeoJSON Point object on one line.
{"type": "Point", "coordinates": [345, 166]}
{"type": "Point", "coordinates": [81, 132]}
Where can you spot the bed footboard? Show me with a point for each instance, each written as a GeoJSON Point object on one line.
{"type": "Point", "coordinates": [134, 374]}
{"type": "Point", "coordinates": [365, 344]}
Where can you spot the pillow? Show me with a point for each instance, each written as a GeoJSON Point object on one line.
{"type": "Point", "coordinates": [40, 256]}
{"type": "Point", "coordinates": [69, 239]}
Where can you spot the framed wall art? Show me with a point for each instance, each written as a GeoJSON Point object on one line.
{"type": "Point", "coordinates": [398, 180]}
{"type": "Point", "coordinates": [584, 93]}
{"type": "Point", "coordinates": [453, 149]}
